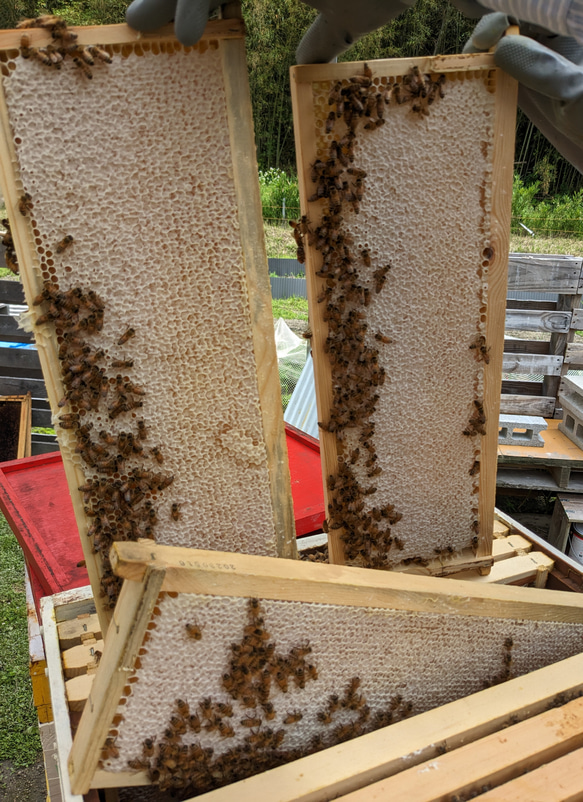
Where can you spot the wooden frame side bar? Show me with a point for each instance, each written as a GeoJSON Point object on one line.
{"type": "Point", "coordinates": [494, 759]}
{"type": "Point", "coordinates": [119, 34]}
{"type": "Point", "coordinates": [370, 758]}
{"type": "Point", "coordinates": [125, 635]}
{"type": "Point", "coordinates": [502, 177]}
{"type": "Point", "coordinates": [259, 291]}
{"type": "Point", "coordinates": [240, 575]}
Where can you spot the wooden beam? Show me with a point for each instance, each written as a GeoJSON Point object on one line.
{"type": "Point", "coordinates": [384, 753]}
{"type": "Point", "coordinates": [531, 364]}
{"type": "Point", "coordinates": [130, 619]}
{"type": "Point", "coordinates": [527, 405]}
{"type": "Point", "coordinates": [559, 781]}
{"type": "Point", "coordinates": [245, 169]}
{"type": "Point", "coordinates": [541, 273]}
{"type": "Point", "coordinates": [239, 575]}
{"type": "Point", "coordinates": [119, 34]}
{"type": "Point", "coordinates": [526, 320]}
{"type": "Point", "coordinates": [492, 760]}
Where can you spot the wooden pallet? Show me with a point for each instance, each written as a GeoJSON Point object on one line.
{"type": "Point", "coordinates": [558, 466]}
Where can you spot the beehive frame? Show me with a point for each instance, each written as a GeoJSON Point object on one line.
{"type": "Point", "coordinates": [169, 602]}
{"type": "Point", "coordinates": [380, 203]}
{"type": "Point", "coordinates": [206, 271]}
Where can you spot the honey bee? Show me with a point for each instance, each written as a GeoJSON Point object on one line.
{"type": "Point", "coordinates": [175, 513]}
{"type": "Point", "coordinates": [250, 722]}
{"type": "Point", "coordinates": [25, 203]}
{"type": "Point", "coordinates": [85, 68]}
{"type": "Point", "coordinates": [194, 631]}
{"type": "Point", "coordinates": [475, 468]}
{"type": "Point", "coordinates": [64, 243]}
{"type": "Point", "coordinates": [122, 363]}
{"type": "Point", "coordinates": [293, 717]}
{"type": "Point", "coordinates": [99, 53]}
{"type": "Point", "coordinates": [139, 764]}
{"type": "Point", "coordinates": [127, 335]}
{"type": "Point", "coordinates": [482, 353]}
{"type": "Point", "coordinates": [226, 730]}
{"type": "Point", "coordinates": [194, 723]}
{"type": "Point", "coordinates": [183, 708]}
{"type": "Point", "coordinates": [157, 454]}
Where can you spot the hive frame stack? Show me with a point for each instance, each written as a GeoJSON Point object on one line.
{"type": "Point", "coordinates": [157, 264]}
{"type": "Point", "coordinates": [405, 186]}
{"type": "Point", "coordinates": [418, 642]}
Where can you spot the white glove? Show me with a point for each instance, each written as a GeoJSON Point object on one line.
{"type": "Point", "coordinates": [549, 70]}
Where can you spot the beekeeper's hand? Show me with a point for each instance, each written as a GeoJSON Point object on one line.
{"type": "Point", "coordinates": [190, 17]}
{"type": "Point", "coordinates": [341, 23]}
{"type": "Point", "coordinates": [549, 69]}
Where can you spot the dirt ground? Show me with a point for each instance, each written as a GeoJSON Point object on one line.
{"type": "Point", "coordinates": [23, 784]}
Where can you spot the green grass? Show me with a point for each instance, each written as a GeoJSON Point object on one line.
{"type": "Point", "coordinates": [568, 246]}
{"type": "Point", "coordinates": [19, 734]}
{"type": "Point", "coordinates": [290, 308]}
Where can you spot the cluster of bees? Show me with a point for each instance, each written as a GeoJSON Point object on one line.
{"type": "Point", "coordinates": [64, 46]}
{"type": "Point", "coordinates": [353, 350]}
{"type": "Point", "coordinates": [255, 670]}
{"type": "Point", "coordinates": [117, 500]}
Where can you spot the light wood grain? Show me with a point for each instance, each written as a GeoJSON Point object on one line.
{"type": "Point", "coordinates": [131, 617]}
{"type": "Point", "coordinates": [532, 364]}
{"type": "Point", "coordinates": [240, 118]}
{"type": "Point", "coordinates": [60, 709]}
{"type": "Point", "coordinates": [559, 781]}
{"type": "Point", "coordinates": [240, 575]}
{"type": "Point", "coordinates": [495, 759]}
{"type": "Point", "coordinates": [528, 320]}
{"type": "Point", "coordinates": [540, 273]}
{"type": "Point", "coordinates": [358, 763]}
{"type": "Point", "coordinates": [119, 34]}
{"type": "Point", "coordinates": [527, 405]}
{"type": "Point", "coordinates": [503, 156]}
{"type": "Point", "coordinates": [302, 107]}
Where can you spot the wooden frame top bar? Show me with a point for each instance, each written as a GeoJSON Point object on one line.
{"type": "Point", "coordinates": [227, 574]}
{"type": "Point", "coordinates": [308, 73]}
{"type": "Point", "coordinates": [119, 34]}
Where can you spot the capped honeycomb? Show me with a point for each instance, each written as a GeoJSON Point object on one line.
{"type": "Point", "coordinates": [143, 298]}
{"type": "Point", "coordinates": [253, 683]}
{"type": "Point", "coordinates": [397, 190]}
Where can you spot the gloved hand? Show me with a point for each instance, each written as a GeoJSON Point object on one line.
{"type": "Point", "coordinates": [549, 69]}
{"type": "Point", "coordinates": [341, 23]}
{"type": "Point", "coordinates": [190, 16]}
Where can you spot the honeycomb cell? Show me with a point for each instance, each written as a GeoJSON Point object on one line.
{"type": "Point", "coordinates": [418, 236]}
{"type": "Point", "coordinates": [396, 662]}
{"type": "Point", "coordinates": [135, 166]}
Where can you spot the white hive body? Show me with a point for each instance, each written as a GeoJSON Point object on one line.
{"type": "Point", "coordinates": [403, 342]}
{"type": "Point", "coordinates": [401, 663]}
{"type": "Point", "coordinates": [136, 165]}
